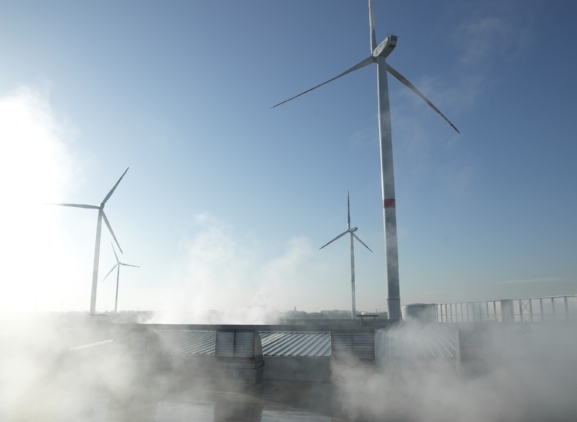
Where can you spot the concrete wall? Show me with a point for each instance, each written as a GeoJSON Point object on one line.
{"type": "Point", "coordinates": [202, 368]}
{"type": "Point", "coordinates": [281, 368]}
{"type": "Point", "coordinates": [303, 325]}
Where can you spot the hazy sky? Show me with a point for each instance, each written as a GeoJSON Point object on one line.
{"type": "Point", "coordinates": [227, 200]}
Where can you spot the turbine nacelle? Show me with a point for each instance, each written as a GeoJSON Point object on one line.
{"type": "Point", "coordinates": [386, 47]}
{"type": "Point", "coordinates": [353, 229]}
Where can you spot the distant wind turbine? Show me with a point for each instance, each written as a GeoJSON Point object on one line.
{"type": "Point", "coordinates": [117, 266]}
{"type": "Point", "coordinates": [101, 216]}
{"type": "Point", "coordinates": [378, 56]}
{"type": "Point", "coordinates": [353, 235]}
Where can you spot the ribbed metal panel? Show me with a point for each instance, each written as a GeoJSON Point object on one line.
{"type": "Point", "coordinates": [225, 344]}
{"type": "Point", "coordinates": [274, 343]}
{"type": "Point", "coordinates": [360, 344]}
{"type": "Point", "coordinates": [364, 345]}
{"type": "Point", "coordinates": [417, 344]}
{"type": "Point", "coordinates": [233, 343]}
{"type": "Point", "coordinates": [186, 342]}
{"type": "Point", "coordinates": [244, 344]}
{"type": "Point", "coordinates": [341, 344]}
{"type": "Point", "coordinates": [290, 343]}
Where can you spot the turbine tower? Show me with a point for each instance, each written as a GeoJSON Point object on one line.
{"type": "Point", "coordinates": [117, 266]}
{"type": "Point", "coordinates": [378, 55]}
{"type": "Point", "coordinates": [101, 216]}
{"type": "Point", "coordinates": [353, 235]}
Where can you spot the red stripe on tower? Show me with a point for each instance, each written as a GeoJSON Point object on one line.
{"type": "Point", "coordinates": [389, 203]}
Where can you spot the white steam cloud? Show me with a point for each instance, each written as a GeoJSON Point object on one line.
{"type": "Point", "coordinates": [238, 277]}
{"type": "Point", "coordinates": [35, 167]}
{"type": "Point", "coordinates": [507, 373]}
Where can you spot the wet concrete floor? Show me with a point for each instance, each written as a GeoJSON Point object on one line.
{"type": "Point", "coordinates": [92, 405]}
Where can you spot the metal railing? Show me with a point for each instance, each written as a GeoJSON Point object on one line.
{"type": "Point", "coordinates": [541, 309]}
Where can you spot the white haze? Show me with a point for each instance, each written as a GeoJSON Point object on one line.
{"type": "Point", "coordinates": [35, 167]}
{"type": "Point", "coordinates": [528, 377]}
{"type": "Point", "coordinates": [228, 279]}
{"type": "Point", "coordinates": [527, 374]}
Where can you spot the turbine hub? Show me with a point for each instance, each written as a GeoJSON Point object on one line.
{"type": "Point", "coordinates": [354, 229]}
{"type": "Point", "coordinates": [386, 47]}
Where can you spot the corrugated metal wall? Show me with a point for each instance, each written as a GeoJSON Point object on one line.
{"type": "Point", "coordinates": [360, 344]}
{"type": "Point", "coordinates": [430, 343]}
{"type": "Point", "coordinates": [304, 344]}
{"type": "Point", "coordinates": [186, 342]}
{"type": "Point", "coordinates": [274, 343]}
{"type": "Point", "coordinates": [234, 343]}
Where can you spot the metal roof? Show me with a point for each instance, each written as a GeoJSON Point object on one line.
{"type": "Point", "coordinates": [425, 343]}
{"type": "Point", "coordinates": [431, 342]}
{"type": "Point", "coordinates": [186, 342]}
{"type": "Point", "coordinates": [274, 343]}
{"type": "Point", "coordinates": [296, 343]}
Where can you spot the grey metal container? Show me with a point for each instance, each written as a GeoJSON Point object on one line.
{"type": "Point", "coordinates": [239, 358]}
{"type": "Point", "coordinates": [358, 344]}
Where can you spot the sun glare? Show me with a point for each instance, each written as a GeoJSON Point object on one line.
{"type": "Point", "coordinates": [35, 167]}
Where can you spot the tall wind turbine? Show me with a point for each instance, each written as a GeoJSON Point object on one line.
{"type": "Point", "coordinates": [353, 235]}
{"type": "Point", "coordinates": [378, 55]}
{"type": "Point", "coordinates": [117, 266]}
{"type": "Point", "coordinates": [101, 216]}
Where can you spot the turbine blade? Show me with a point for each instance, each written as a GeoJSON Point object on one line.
{"type": "Point", "coordinates": [349, 210]}
{"type": "Point", "coordinates": [111, 232]}
{"type": "Point", "coordinates": [357, 237]}
{"type": "Point", "coordinates": [110, 272]}
{"type": "Point", "coordinates": [92, 207]}
{"type": "Point", "coordinates": [114, 187]}
{"type": "Point", "coordinates": [372, 27]}
{"type": "Point", "coordinates": [409, 85]}
{"type": "Point", "coordinates": [128, 265]}
{"type": "Point", "coordinates": [114, 250]}
{"type": "Point", "coordinates": [362, 64]}
{"type": "Point", "coordinates": [338, 237]}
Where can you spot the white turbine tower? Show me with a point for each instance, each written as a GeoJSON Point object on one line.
{"type": "Point", "coordinates": [101, 216]}
{"type": "Point", "coordinates": [117, 266]}
{"type": "Point", "coordinates": [353, 235]}
{"type": "Point", "coordinates": [378, 56]}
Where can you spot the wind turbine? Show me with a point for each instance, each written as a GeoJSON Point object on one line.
{"type": "Point", "coordinates": [101, 216]}
{"type": "Point", "coordinates": [117, 266]}
{"type": "Point", "coordinates": [378, 55]}
{"type": "Point", "coordinates": [353, 235]}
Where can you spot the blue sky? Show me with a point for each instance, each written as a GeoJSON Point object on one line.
{"type": "Point", "coordinates": [227, 200]}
